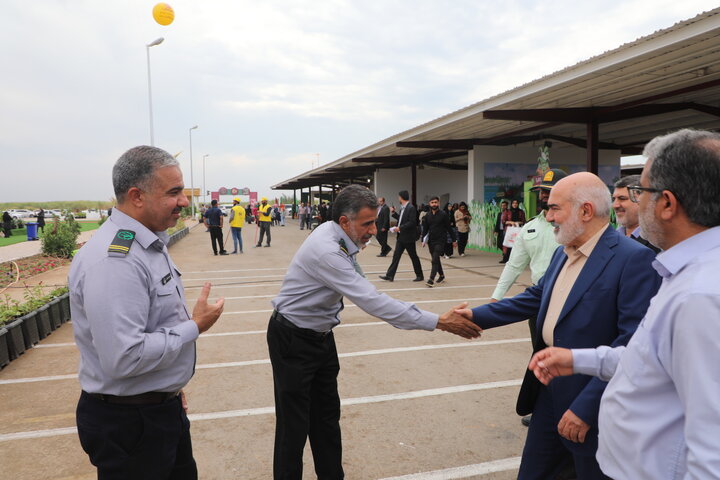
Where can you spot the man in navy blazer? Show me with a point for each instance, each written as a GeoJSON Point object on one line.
{"type": "Point", "coordinates": [595, 292]}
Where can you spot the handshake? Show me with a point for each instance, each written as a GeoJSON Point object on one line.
{"type": "Point", "coordinates": [458, 320]}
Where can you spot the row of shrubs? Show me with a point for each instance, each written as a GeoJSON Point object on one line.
{"type": "Point", "coordinates": [35, 297]}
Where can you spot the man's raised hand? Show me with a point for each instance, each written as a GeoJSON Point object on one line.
{"type": "Point", "coordinates": [204, 314]}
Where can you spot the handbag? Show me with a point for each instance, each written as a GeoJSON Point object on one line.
{"type": "Point", "coordinates": [510, 236]}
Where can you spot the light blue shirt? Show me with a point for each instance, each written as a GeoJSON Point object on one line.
{"type": "Point", "coordinates": [534, 246]}
{"type": "Point", "coordinates": [660, 413]}
{"type": "Point", "coordinates": [129, 317]}
{"type": "Point", "coordinates": [322, 272]}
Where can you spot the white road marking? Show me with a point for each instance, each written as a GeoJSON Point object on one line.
{"type": "Point", "coordinates": [350, 305]}
{"type": "Point", "coordinates": [502, 465]}
{"type": "Point", "coordinates": [267, 361]}
{"type": "Point", "coordinates": [454, 287]}
{"type": "Point", "coordinates": [54, 432]}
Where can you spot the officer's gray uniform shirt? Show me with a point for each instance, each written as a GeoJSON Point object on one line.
{"type": "Point", "coordinates": [322, 273]}
{"type": "Point", "coordinates": [130, 321]}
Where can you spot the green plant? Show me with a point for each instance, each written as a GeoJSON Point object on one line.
{"type": "Point", "coordinates": [10, 309]}
{"type": "Point", "coordinates": [61, 241]}
{"type": "Point", "coordinates": [102, 220]}
{"type": "Point", "coordinates": [18, 223]}
{"type": "Point", "coordinates": [35, 298]}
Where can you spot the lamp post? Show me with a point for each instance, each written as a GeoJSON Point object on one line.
{"type": "Point", "coordinates": [192, 184]}
{"type": "Point", "coordinates": [204, 191]}
{"type": "Point", "coordinates": [147, 49]}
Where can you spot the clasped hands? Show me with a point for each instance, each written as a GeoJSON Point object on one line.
{"type": "Point", "coordinates": [457, 321]}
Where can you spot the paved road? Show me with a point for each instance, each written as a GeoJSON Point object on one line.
{"type": "Point", "coordinates": [416, 405]}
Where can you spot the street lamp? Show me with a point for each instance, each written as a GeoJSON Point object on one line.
{"type": "Point", "coordinates": [204, 191]}
{"type": "Point", "coordinates": [147, 49]}
{"type": "Point", "coordinates": [192, 184]}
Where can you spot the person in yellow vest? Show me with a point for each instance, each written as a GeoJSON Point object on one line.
{"type": "Point", "coordinates": [237, 220]}
{"type": "Point", "coordinates": [264, 221]}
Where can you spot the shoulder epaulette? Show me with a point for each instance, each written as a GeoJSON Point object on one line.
{"type": "Point", "coordinates": [122, 241]}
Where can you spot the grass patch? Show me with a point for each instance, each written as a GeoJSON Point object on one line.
{"type": "Point", "coordinates": [20, 234]}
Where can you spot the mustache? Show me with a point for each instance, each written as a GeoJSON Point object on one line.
{"type": "Point", "coordinates": [555, 225]}
{"type": "Point", "coordinates": [176, 210]}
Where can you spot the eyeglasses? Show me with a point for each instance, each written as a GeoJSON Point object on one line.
{"type": "Point", "coordinates": [634, 192]}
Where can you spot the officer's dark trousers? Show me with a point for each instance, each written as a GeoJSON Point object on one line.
{"type": "Point", "coordinates": [436, 250]}
{"type": "Point", "coordinates": [216, 238]}
{"type": "Point", "coordinates": [400, 247]}
{"type": "Point", "coordinates": [147, 442]}
{"type": "Point", "coordinates": [305, 368]}
{"type": "Point", "coordinates": [264, 228]}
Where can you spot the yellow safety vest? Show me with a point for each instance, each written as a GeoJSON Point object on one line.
{"type": "Point", "coordinates": [265, 212]}
{"type": "Point", "coordinates": [239, 218]}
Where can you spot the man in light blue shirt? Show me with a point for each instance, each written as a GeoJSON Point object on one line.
{"type": "Point", "coordinates": [135, 336]}
{"type": "Point", "coordinates": [660, 415]}
{"type": "Point", "coordinates": [301, 342]}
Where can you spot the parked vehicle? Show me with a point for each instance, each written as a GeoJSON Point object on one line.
{"type": "Point", "coordinates": [21, 213]}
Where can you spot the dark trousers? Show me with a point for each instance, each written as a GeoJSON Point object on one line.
{"type": "Point", "coordinates": [545, 455]}
{"type": "Point", "coordinates": [264, 228]}
{"type": "Point", "coordinates": [436, 250]}
{"type": "Point", "coordinates": [140, 442]}
{"type": "Point", "coordinates": [216, 238]}
{"type": "Point", "coordinates": [449, 249]}
{"type": "Point", "coordinates": [305, 368]}
{"type": "Point", "coordinates": [382, 238]}
{"type": "Point", "coordinates": [462, 241]}
{"type": "Point", "coordinates": [400, 247]}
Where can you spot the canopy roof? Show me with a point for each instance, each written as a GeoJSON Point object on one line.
{"type": "Point", "coordinates": [617, 100]}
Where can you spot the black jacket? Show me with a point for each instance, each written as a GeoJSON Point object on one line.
{"type": "Point", "coordinates": [437, 226]}
{"type": "Point", "coordinates": [383, 218]}
{"type": "Point", "coordinates": [408, 227]}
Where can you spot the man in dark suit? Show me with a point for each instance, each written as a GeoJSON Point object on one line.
{"type": "Point", "coordinates": [406, 237]}
{"type": "Point", "coordinates": [382, 223]}
{"type": "Point", "coordinates": [595, 292]}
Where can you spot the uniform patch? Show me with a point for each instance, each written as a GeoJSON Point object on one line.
{"type": "Point", "coordinates": [122, 242]}
{"type": "Point", "coordinates": [549, 176]}
{"type": "Point", "coordinates": [532, 230]}
{"type": "Point", "coordinates": [166, 278]}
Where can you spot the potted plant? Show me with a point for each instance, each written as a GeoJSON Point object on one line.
{"type": "Point", "coordinates": [15, 338]}
{"type": "Point", "coordinates": [4, 352]}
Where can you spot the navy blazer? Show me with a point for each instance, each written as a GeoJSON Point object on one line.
{"type": "Point", "coordinates": [604, 307]}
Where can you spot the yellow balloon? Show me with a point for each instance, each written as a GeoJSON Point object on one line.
{"type": "Point", "coordinates": [163, 14]}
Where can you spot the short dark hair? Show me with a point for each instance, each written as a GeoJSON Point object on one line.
{"type": "Point", "coordinates": [687, 163]}
{"type": "Point", "coordinates": [627, 181]}
{"type": "Point", "coordinates": [404, 195]}
{"type": "Point", "coordinates": [136, 168]}
{"type": "Point", "coordinates": [434, 198]}
{"type": "Point", "coordinates": [505, 202]}
{"type": "Point", "coordinates": [351, 200]}
{"type": "Point", "coordinates": [213, 203]}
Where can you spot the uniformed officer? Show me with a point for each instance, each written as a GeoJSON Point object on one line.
{"type": "Point", "coordinates": [300, 338]}
{"type": "Point", "coordinates": [135, 335]}
{"type": "Point", "coordinates": [264, 221]}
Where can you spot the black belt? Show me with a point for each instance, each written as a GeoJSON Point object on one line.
{"type": "Point", "coordinates": [277, 316]}
{"type": "Point", "coordinates": [149, 398]}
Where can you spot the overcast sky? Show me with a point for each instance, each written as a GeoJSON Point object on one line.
{"type": "Point", "coordinates": [269, 83]}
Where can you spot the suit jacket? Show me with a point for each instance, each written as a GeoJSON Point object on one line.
{"type": "Point", "coordinates": [408, 227]}
{"type": "Point", "coordinates": [604, 307]}
{"type": "Point", "coordinates": [383, 218]}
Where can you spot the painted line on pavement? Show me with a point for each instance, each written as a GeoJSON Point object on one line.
{"type": "Point", "coordinates": [267, 361]}
{"type": "Point", "coordinates": [351, 305]}
{"type": "Point", "coordinates": [379, 290]}
{"type": "Point", "coordinates": [466, 471]}
{"type": "Point", "coordinates": [54, 432]}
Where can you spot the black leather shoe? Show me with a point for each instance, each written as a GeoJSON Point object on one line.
{"type": "Point", "coordinates": [418, 279]}
{"type": "Point", "coordinates": [386, 278]}
{"type": "Point", "coordinates": [381, 255]}
{"type": "Point", "coordinates": [526, 420]}
{"type": "Point", "coordinates": [223, 253]}
{"type": "Point", "coordinates": [440, 279]}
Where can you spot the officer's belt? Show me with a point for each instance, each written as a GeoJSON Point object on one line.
{"type": "Point", "coordinates": [149, 398]}
{"type": "Point", "coordinates": [277, 316]}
